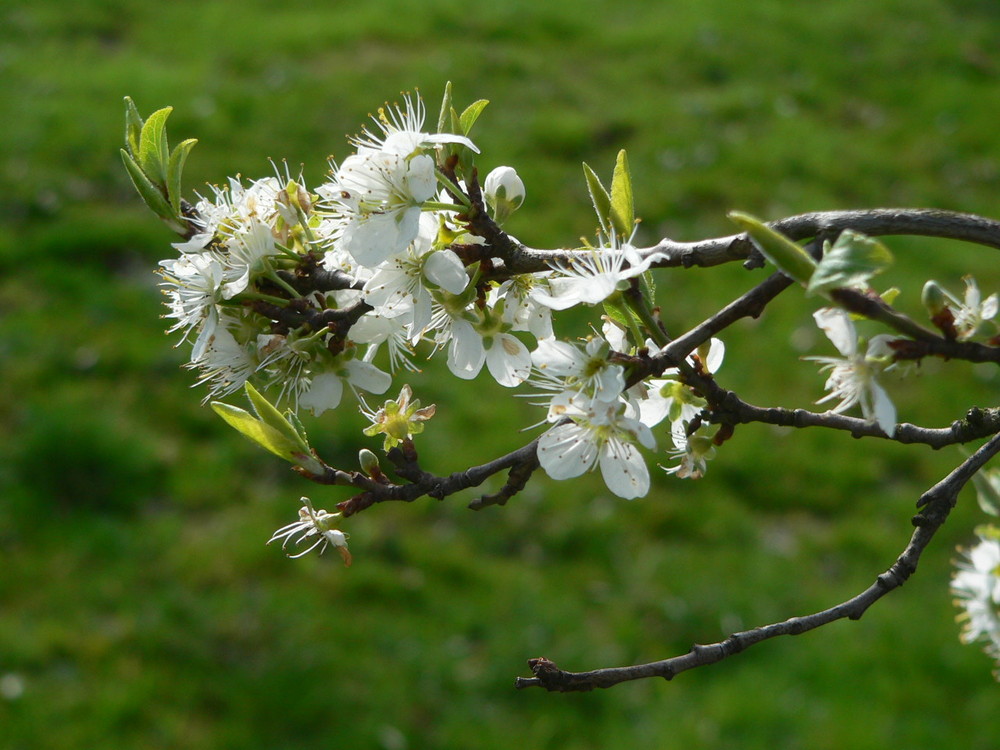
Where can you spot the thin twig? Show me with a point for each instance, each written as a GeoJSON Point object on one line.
{"type": "Point", "coordinates": [935, 505]}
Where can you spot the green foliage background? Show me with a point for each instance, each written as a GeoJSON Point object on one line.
{"type": "Point", "coordinates": [138, 604]}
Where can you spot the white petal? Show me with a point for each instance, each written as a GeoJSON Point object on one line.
{"type": "Point", "coordinates": [508, 360]}
{"type": "Point", "coordinates": [446, 270]}
{"type": "Point", "coordinates": [716, 352]}
{"type": "Point", "coordinates": [564, 294]}
{"type": "Point", "coordinates": [837, 325]}
{"type": "Point", "coordinates": [565, 453]}
{"type": "Point", "coordinates": [885, 411]}
{"type": "Point", "coordinates": [371, 240]}
{"type": "Point", "coordinates": [624, 470]}
{"type": "Point", "coordinates": [990, 307]}
{"type": "Point", "coordinates": [654, 407]}
{"type": "Point", "coordinates": [610, 382]}
{"type": "Point", "coordinates": [465, 352]}
{"type": "Point", "coordinates": [421, 181]}
{"type": "Point", "coordinates": [367, 376]}
{"type": "Point", "coordinates": [324, 393]}
{"type": "Point", "coordinates": [557, 357]}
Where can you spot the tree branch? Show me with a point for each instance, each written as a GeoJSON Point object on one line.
{"type": "Point", "coordinates": [713, 252]}
{"type": "Point", "coordinates": [935, 505]}
{"type": "Point", "coordinates": [423, 483]}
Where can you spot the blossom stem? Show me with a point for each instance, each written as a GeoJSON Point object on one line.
{"type": "Point", "coordinates": [454, 189]}
{"type": "Point", "coordinates": [636, 302]}
{"type": "Point", "coordinates": [273, 276]}
{"type": "Point", "coordinates": [281, 301]}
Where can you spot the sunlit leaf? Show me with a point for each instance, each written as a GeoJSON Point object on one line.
{"type": "Point", "coordinates": [789, 257]}
{"type": "Point", "coordinates": [600, 198]}
{"type": "Point", "coordinates": [153, 149]}
{"type": "Point", "coordinates": [851, 261]}
{"type": "Point", "coordinates": [175, 167]}
{"type": "Point", "coordinates": [471, 114]}
{"type": "Point", "coordinates": [622, 210]}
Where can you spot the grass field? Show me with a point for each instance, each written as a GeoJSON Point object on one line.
{"type": "Point", "coordinates": [139, 607]}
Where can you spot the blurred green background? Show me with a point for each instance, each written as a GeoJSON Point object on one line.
{"type": "Point", "coordinates": [139, 606]}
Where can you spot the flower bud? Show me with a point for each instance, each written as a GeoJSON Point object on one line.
{"type": "Point", "coordinates": [934, 298]}
{"type": "Point", "coordinates": [504, 192]}
{"type": "Point", "coordinates": [369, 462]}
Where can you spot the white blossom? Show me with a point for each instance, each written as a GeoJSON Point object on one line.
{"type": "Point", "coordinates": [313, 523]}
{"type": "Point", "coordinates": [564, 366]}
{"type": "Point", "coordinates": [592, 276]}
{"type": "Point", "coordinates": [853, 378]}
{"type": "Point", "coordinates": [599, 433]}
{"type": "Point", "coordinates": [973, 311]}
{"type": "Point", "coordinates": [669, 397]}
{"type": "Point", "coordinates": [693, 452]}
{"type": "Point", "coordinates": [976, 585]}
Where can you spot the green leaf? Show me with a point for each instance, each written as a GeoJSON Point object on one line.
{"type": "Point", "coordinates": [149, 192]}
{"type": "Point", "coordinates": [445, 114]}
{"type": "Point", "coordinates": [471, 114]}
{"type": "Point", "coordinates": [133, 126]}
{"type": "Point", "coordinates": [622, 212]}
{"type": "Point", "coordinates": [299, 428]}
{"type": "Point", "coordinates": [599, 197]}
{"type": "Point", "coordinates": [257, 431]}
{"type": "Point", "coordinates": [153, 149]}
{"type": "Point", "coordinates": [789, 257]}
{"type": "Point", "coordinates": [175, 166]}
{"type": "Point", "coordinates": [852, 260]}
{"type": "Point", "coordinates": [988, 490]}
{"type": "Point", "coordinates": [648, 287]}
{"type": "Point", "coordinates": [618, 315]}
{"type": "Point", "coordinates": [272, 417]}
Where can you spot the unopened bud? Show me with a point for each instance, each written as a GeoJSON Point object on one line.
{"type": "Point", "coordinates": [936, 301]}
{"type": "Point", "coordinates": [369, 462]}
{"type": "Point", "coordinates": [504, 192]}
{"type": "Point", "coordinates": [934, 298]}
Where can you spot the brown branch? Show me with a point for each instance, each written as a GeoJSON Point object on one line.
{"type": "Point", "coordinates": [423, 483]}
{"type": "Point", "coordinates": [736, 247]}
{"type": "Point", "coordinates": [934, 505]}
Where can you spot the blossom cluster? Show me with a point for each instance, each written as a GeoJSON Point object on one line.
{"type": "Point", "coordinates": [317, 293]}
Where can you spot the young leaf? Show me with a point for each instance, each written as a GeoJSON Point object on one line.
{"type": "Point", "coordinates": [257, 431]}
{"type": "Point", "coordinates": [471, 114]}
{"type": "Point", "coordinates": [599, 197]}
{"type": "Point", "coordinates": [272, 417]}
{"type": "Point", "coordinates": [789, 257]}
{"type": "Point", "coordinates": [619, 315]}
{"type": "Point", "coordinates": [622, 212]}
{"type": "Point", "coordinates": [149, 192]}
{"type": "Point", "coordinates": [852, 260]}
{"type": "Point", "coordinates": [299, 428]}
{"type": "Point", "coordinates": [133, 126]}
{"type": "Point", "coordinates": [445, 116]}
{"type": "Point", "coordinates": [153, 150]}
{"type": "Point", "coordinates": [175, 166]}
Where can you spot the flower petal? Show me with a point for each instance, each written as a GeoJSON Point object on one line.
{"type": "Point", "coordinates": [624, 470]}
{"type": "Point", "coordinates": [564, 452]}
